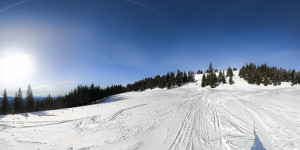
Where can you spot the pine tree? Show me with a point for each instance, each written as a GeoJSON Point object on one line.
{"type": "Point", "coordinates": [293, 77]}
{"type": "Point", "coordinates": [213, 80]}
{"type": "Point", "coordinates": [229, 72]}
{"type": "Point", "coordinates": [298, 78]}
{"type": "Point", "coordinates": [223, 77]}
{"type": "Point", "coordinates": [185, 78]}
{"type": "Point", "coordinates": [230, 80]}
{"type": "Point", "coordinates": [203, 81]}
{"type": "Point", "coordinates": [199, 71]}
{"type": "Point", "coordinates": [149, 83]}
{"type": "Point", "coordinates": [210, 68]}
{"type": "Point", "coordinates": [168, 78]}
{"type": "Point", "coordinates": [178, 78]}
{"type": "Point", "coordinates": [207, 81]}
{"type": "Point", "coordinates": [191, 76]}
{"type": "Point", "coordinates": [157, 80]}
{"type": "Point", "coordinates": [42, 107]}
{"type": "Point", "coordinates": [266, 82]}
{"type": "Point", "coordinates": [49, 101]}
{"type": "Point", "coordinates": [16, 104]}
{"type": "Point", "coordinates": [5, 105]}
{"type": "Point", "coordinates": [169, 84]}
{"type": "Point", "coordinates": [163, 82]}
{"type": "Point", "coordinates": [242, 72]}
{"type": "Point", "coordinates": [220, 77]}
{"type": "Point", "coordinates": [258, 78]}
{"type": "Point", "coordinates": [172, 78]}
{"type": "Point", "coordinates": [37, 106]}
{"type": "Point", "coordinates": [29, 100]}
{"type": "Point", "coordinates": [20, 101]}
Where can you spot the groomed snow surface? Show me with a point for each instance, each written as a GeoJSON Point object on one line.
{"type": "Point", "coordinates": [239, 116]}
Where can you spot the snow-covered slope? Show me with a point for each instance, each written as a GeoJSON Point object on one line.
{"type": "Point", "coordinates": [239, 116]}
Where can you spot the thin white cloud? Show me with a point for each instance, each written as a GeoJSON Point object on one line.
{"type": "Point", "coordinates": [145, 6]}
{"type": "Point", "coordinates": [64, 82]}
{"type": "Point", "coordinates": [10, 6]}
{"type": "Point", "coordinates": [43, 86]}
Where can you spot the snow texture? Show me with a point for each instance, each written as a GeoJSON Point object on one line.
{"type": "Point", "coordinates": [188, 117]}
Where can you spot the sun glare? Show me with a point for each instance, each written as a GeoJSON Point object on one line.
{"type": "Point", "coordinates": [15, 67]}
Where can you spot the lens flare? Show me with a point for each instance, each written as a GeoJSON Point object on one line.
{"type": "Point", "coordinates": [15, 67]}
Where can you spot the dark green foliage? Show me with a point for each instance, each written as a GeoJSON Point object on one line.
{"type": "Point", "coordinates": [5, 105]}
{"type": "Point", "coordinates": [251, 73]}
{"type": "Point", "coordinates": [199, 71]}
{"type": "Point", "coordinates": [293, 77]}
{"type": "Point", "coordinates": [156, 80]}
{"type": "Point", "coordinates": [267, 75]}
{"type": "Point", "coordinates": [207, 81]}
{"type": "Point", "coordinates": [169, 84]}
{"type": "Point", "coordinates": [191, 76]}
{"type": "Point", "coordinates": [229, 72]}
{"type": "Point", "coordinates": [150, 83]}
{"type": "Point", "coordinates": [29, 100]}
{"type": "Point", "coordinates": [213, 80]}
{"type": "Point", "coordinates": [166, 81]}
{"type": "Point", "coordinates": [162, 82]}
{"type": "Point", "coordinates": [298, 78]}
{"type": "Point", "coordinates": [84, 95]}
{"type": "Point", "coordinates": [220, 77]}
{"type": "Point", "coordinates": [223, 77]}
{"type": "Point", "coordinates": [210, 68]}
{"type": "Point", "coordinates": [242, 72]}
{"type": "Point", "coordinates": [266, 81]}
{"type": "Point", "coordinates": [49, 103]}
{"type": "Point", "coordinates": [42, 106]}
{"type": "Point", "coordinates": [230, 80]}
{"type": "Point", "coordinates": [172, 78]}
{"type": "Point", "coordinates": [230, 75]}
{"type": "Point", "coordinates": [234, 69]}
{"type": "Point", "coordinates": [258, 78]}
{"type": "Point", "coordinates": [37, 106]}
{"type": "Point", "coordinates": [179, 78]}
{"type": "Point", "coordinates": [185, 78]}
{"type": "Point", "coordinates": [203, 81]}
{"type": "Point", "coordinates": [18, 102]}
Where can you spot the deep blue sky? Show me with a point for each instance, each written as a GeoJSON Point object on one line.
{"type": "Point", "coordinates": [118, 42]}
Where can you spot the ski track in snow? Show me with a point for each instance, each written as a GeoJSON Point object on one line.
{"type": "Point", "coordinates": [188, 117]}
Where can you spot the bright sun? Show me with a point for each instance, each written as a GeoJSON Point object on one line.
{"type": "Point", "coordinates": [15, 67]}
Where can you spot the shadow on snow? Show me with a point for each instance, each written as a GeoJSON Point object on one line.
{"type": "Point", "coordinates": [257, 143]}
{"type": "Point", "coordinates": [112, 99]}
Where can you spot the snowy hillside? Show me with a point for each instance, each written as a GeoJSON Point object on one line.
{"type": "Point", "coordinates": [239, 116]}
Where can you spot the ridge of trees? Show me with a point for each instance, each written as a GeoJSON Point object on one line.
{"type": "Point", "coordinates": [212, 80]}
{"type": "Point", "coordinates": [268, 75]}
{"type": "Point", "coordinates": [80, 96]}
{"type": "Point", "coordinates": [169, 80]}
{"type": "Point", "coordinates": [84, 95]}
